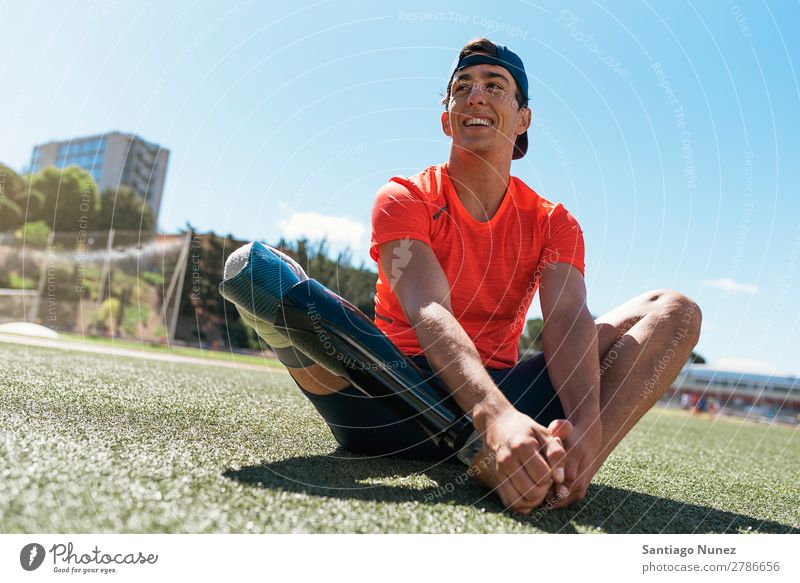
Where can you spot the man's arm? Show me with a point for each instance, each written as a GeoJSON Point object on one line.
{"type": "Point", "coordinates": [524, 477]}
{"type": "Point", "coordinates": [569, 337]}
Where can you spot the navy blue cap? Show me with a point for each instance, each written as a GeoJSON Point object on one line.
{"type": "Point", "coordinates": [511, 62]}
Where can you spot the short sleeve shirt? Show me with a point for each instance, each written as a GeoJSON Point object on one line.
{"type": "Point", "coordinates": [493, 267]}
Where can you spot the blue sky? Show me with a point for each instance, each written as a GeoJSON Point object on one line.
{"type": "Point", "coordinates": [670, 130]}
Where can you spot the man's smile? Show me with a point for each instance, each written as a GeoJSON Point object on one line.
{"type": "Point", "coordinates": [471, 121]}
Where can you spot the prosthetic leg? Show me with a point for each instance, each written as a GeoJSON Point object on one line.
{"type": "Point", "coordinates": [338, 336]}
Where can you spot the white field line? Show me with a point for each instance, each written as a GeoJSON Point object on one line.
{"type": "Point", "coordinates": [131, 352]}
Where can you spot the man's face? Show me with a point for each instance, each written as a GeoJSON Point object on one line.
{"type": "Point", "coordinates": [483, 115]}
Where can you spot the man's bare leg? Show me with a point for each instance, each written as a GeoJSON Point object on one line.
{"type": "Point", "coordinates": [643, 344]}
{"type": "Point", "coordinates": [318, 380]}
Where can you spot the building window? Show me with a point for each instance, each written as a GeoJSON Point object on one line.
{"type": "Point", "coordinates": [35, 160]}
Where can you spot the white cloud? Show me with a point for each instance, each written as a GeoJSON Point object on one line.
{"type": "Point", "coordinates": [730, 286]}
{"type": "Point", "coordinates": [339, 231]}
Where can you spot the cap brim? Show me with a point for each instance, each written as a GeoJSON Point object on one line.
{"type": "Point", "coordinates": [520, 146]}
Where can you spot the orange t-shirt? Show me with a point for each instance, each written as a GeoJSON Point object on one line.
{"type": "Point", "coordinates": [493, 267]}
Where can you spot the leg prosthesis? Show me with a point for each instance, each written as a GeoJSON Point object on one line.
{"type": "Point", "coordinates": [289, 310]}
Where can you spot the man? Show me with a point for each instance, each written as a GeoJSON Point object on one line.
{"type": "Point", "coordinates": [461, 249]}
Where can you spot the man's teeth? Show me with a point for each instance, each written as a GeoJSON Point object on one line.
{"type": "Point", "coordinates": [477, 121]}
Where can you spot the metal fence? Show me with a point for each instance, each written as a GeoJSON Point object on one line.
{"type": "Point", "coordinates": [119, 283]}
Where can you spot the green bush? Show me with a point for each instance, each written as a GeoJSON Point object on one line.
{"type": "Point", "coordinates": [152, 278]}
{"type": "Point", "coordinates": [135, 316]}
{"type": "Point", "coordinates": [35, 234]}
{"type": "Point", "coordinates": [16, 281]}
{"type": "Point", "coordinates": [107, 314]}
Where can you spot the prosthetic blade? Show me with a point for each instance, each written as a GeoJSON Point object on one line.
{"type": "Point", "coordinates": [338, 336]}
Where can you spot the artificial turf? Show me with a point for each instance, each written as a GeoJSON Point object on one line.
{"type": "Point", "coordinates": [172, 349]}
{"type": "Point", "coordinates": [98, 444]}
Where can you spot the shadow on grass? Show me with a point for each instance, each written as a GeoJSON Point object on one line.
{"type": "Point", "coordinates": [609, 509]}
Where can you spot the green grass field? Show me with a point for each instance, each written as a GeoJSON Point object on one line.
{"type": "Point", "coordinates": [98, 444]}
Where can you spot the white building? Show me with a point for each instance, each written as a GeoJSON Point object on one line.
{"type": "Point", "coordinates": [114, 159]}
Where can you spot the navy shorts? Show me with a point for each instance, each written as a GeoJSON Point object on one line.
{"type": "Point", "coordinates": [368, 426]}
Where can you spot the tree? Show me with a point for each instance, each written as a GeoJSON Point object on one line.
{"type": "Point", "coordinates": [124, 210]}
{"type": "Point", "coordinates": [531, 339]}
{"type": "Point", "coordinates": [695, 358]}
{"type": "Point", "coordinates": [71, 199]}
{"type": "Point", "coordinates": [18, 201]}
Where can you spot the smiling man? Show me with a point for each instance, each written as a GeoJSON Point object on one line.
{"type": "Point", "coordinates": [462, 248]}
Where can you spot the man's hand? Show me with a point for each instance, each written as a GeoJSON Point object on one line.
{"type": "Point", "coordinates": [521, 459]}
{"type": "Point", "coordinates": [583, 447]}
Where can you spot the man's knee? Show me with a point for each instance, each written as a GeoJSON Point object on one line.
{"type": "Point", "coordinates": [681, 312]}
